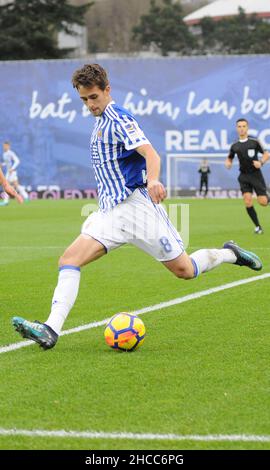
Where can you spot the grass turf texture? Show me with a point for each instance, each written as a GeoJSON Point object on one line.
{"type": "Point", "coordinates": [203, 368]}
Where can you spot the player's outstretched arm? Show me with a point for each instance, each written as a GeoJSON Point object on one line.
{"type": "Point", "coordinates": [155, 188]}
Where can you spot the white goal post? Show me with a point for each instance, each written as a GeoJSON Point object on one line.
{"type": "Point", "coordinates": [174, 174]}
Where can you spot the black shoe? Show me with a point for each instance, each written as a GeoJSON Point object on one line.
{"type": "Point", "coordinates": [38, 332]}
{"type": "Point", "coordinates": [244, 257]}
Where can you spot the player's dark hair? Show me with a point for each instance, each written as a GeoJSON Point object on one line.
{"type": "Point", "coordinates": [241, 119]}
{"type": "Point", "coordinates": [90, 75]}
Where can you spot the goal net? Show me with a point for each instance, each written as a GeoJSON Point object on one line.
{"type": "Point", "coordinates": [183, 177]}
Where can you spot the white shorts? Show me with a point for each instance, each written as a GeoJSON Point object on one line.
{"type": "Point", "coordinates": [136, 220]}
{"type": "Point", "coordinates": [12, 177]}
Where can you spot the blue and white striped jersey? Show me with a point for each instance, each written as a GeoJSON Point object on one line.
{"type": "Point", "coordinates": [118, 168]}
{"type": "Point", "coordinates": [11, 160]}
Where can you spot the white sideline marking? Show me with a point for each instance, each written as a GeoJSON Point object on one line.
{"type": "Point", "coordinates": [136, 436]}
{"type": "Point", "coordinates": [152, 308]}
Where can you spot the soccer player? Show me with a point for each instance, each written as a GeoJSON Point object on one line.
{"type": "Point", "coordinates": [127, 169]}
{"type": "Point", "coordinates": [11, 162]}
{"type": "Point", "coordinates": [9, 189]}
{"type": "Point", "coordinates": [204, 170]}
{"type": "Point", "coordinates": [250, 178]}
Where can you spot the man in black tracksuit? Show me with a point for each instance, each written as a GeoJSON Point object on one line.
{"type": "Point", "coordinates": [204, 170]}
{"type": "Point", "coordinates": [250, 178]}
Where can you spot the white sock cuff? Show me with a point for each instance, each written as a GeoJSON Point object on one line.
{"type": "Point", "coordinates": [69, 267]}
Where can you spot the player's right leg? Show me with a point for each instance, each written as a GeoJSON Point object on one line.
{"type": "Point", "coordinates": [81, 252]}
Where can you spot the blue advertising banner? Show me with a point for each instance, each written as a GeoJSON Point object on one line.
{"type": "Point", "coordinates": [186, 106]}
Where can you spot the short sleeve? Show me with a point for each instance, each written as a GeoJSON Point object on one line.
{"type": "Point", "coordinates": [259, 147]}
{"type": "Point", "coordinates": [231, 153]}
{"type": "Point", "coordinates": [128, 131]}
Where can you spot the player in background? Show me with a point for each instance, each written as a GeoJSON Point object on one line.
{"type": "Point", "coordinates": [204, 170]}
{"type": "Point", "coordinates": [11, 161]}
{"type": "Point", "coordinates": [9, 189]}
{"type": "Point", "coordinates": [250, 177]}
{"type": "Point", "coordinates": [129, 208]}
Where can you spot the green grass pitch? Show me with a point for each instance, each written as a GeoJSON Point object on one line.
{"type": "Point", "coordinates": [204, 366]}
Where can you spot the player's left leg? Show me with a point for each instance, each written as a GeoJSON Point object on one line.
{"type": "Point", "coordinates": [201, 261]}
{"type": "Point", "coordinates": [188, 267]}
{"type": "Point", "coordinates": [164, 243]}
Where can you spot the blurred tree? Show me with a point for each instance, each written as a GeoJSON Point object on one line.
{"type": "Point", "coordinates": [208, 34]}
{"type": "Point", "coordinates": [260, 38]}
{"type": "Point", "coordinates": [240, 34]}
{"type": "Point", "coordinates": [28, 28]}
{"type": "Point", "coordinates": [110, 24]}
{"type": "Point", "coordinates": [164, 27]}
